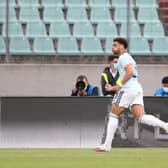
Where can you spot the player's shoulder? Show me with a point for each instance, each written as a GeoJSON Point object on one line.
{"type": "Point", "coordinates": [125, 56]}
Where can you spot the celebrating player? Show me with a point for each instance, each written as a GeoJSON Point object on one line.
{"type": "Point", "coordinates": [129, 95]}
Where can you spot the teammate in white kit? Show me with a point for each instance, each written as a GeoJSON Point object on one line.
{"type": "Point", "coordinates": [129, 95]}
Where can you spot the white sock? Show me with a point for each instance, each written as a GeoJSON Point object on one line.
{"type": "Point", "coordinates": [111, 129]}
{"type": "Point", "coordinates": [153, 121]}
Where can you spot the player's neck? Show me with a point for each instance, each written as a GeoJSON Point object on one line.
{"type": "Point", "coordinates": [122, 52]}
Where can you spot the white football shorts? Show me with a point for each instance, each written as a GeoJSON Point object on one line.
{"type": "Point", "coordinates": [127, 99]}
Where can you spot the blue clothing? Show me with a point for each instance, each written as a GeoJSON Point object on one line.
{"type": "Point", "coordinates": [160, 92]}
{"type": "Point", "coordinates": [91, 91]}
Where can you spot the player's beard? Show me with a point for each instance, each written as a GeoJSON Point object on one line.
{"type": "Point", "coordinates": [116, 53]}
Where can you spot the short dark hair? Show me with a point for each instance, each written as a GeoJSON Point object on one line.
{"type": "Point", "coordinates": [122, 41]}
{"type": "Point", "coordinates": [112, 57]}
{"type": "Point", "coordinates": [81, 78]}
{"type": "Point", "coordinates": [165, 80]}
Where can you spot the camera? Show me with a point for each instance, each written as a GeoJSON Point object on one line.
{"type": "Point", "coordinates": [80, 85]}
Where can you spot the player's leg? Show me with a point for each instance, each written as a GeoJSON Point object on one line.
{"type": "Point", "coordinates": [116, 110]}
{"type": "Point", "coordinates": [105, 128]}
{"type": "Point", "coordinates": [112, 124]}
{"type": "Point", "coordinates": [138, 112]}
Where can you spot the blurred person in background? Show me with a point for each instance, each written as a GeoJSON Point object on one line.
{"type": "Point", "coordinates": [163, 91]}
{"type": "Point", "coordinates": [110, 76]}
{"type": "Point", "coordinates": [84, 88]}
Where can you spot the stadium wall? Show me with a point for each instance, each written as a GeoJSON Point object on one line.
{"type": "Point", "coordinates": [58, 79]}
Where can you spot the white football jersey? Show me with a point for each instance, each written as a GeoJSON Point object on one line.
{"type": "Point", "coordinates": [132, 84]}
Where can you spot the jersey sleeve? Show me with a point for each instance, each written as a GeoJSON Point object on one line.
{"type": "Point", "coordinates": [125, 60]}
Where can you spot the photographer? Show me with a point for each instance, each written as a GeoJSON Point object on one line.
{"type": "Point", "coordinates": [84, 88]}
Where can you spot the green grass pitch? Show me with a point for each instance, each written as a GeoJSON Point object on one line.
{"type": "Point", "coordinates": [84, 158]}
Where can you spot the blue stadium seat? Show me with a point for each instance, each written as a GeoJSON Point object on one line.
{"type": "Point", "coordinates": [43, 46]}
{"type": "Point", "coordinates": [106, 29]}
{"type": "Point", "coordinates": [12, 14]}
{"type": "Point", "coordinates": [139, 46]}
{"type": "Point", "coordinates": [59, 29]}
{"type": "Point", "coordinates": [134, 29]}
{"type": "Point", "coordinates": [146, 3]}
{"type": "Point", "coordinates": [29, 14]}
{"type": "Point", "coordinates": [28, 3]}
{"type": "Point", "coordinates": [108, 46]}
{"type": "Point", "coordinates": [67, 46]}
{"type": "Point", "coordinates": [99, 3]}
{"type": "Point", "coordinates": [148, 14]}
{"type": "Point", "coordinates": [19, 46]}
{"type": "Point", "coordinates": [76, 14]}
{"type": "Point", "coordinates": [36, 29]}
{"type": "Point", "coordinates": [2, 46]}
{"type": "Point", "coordinates": [152, 30]}
{"type": "Point", "coordinates": [160, 46]}
{"type": "Point", "coordinates": [83, 29]}
{"type": "Point", "coordinates": [100, 14]}
{"type": "Point", "coordinates": [120, 14]}
{"type": "Point", "coordinates": [53, 14]}
{"type": "Point", "coordinates": [14, 29]}
{"type": "Point", "coordinates": [12, 3]}
{"type": "Point", "coordinates": [121, 3]}
{"type": "Point", "coordinates": [75, 3]}
{"type": "Point", "coordinates": [52, 3]}
{"type": "Point", "coordinates": [91, 46]}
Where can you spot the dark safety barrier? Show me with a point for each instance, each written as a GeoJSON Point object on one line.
{"type": "Point", "coordinates": [69, 122]}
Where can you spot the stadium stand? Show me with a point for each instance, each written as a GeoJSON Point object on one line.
{"type": "Point", "coordinates": [148, 14]}
{"type": "Point", "coordinates": [139, 46]}
{"type": "Point", "coordinates": [146, 3]}
{"type": "Point", "coordinates": [12, 3]}
{"type": "Point", "coordinates": [108, 45]}
{"type": "Point", "coordinates": [67, 46]}
{"type": "Point", "coordinates": [83, 27]}
{"type": "Point", "coordinates": [52, 14]}
{"type": "Point", "coordinates": [91, 46]}
{"type": "Point", "coordinates": [134, 28]}
{"type": "Point", "coordinates": [43, 46]}
{"type": "Point", "coordinates": [106, 29]}
{"type": "Point", "coordinates": [76, 14]}
{"type": "Point", "coordinates": [35, 29]}
{"type": "Point", "coordinates": [52, 3]}
{"type": "Point", "coordinates": [14, 30]}
{"type": "Point", "coordinates": [100, 14]}
{"type": "Point", "coordinates": [99, 3]}
{"type": "Point", "coordinates": [59, 29]}
{"type": "Point", "coordinates": [20, 46]}
{"type": "Point", "coordinates": [160, 46]}
{"type": "Point", "coordinates": [32, 3]}
{"type": "Point", "coordinates": [121, 3]}
{"type": "Point", "coordinates": [152, 30]}
{"type": "Point", "coordinates": [29, 14]}
{"type": "Point", "coordinates": [12, 14]}
{"type": "Point", "coordinates": [75, 3]}
{"type": "Point", "coordinates": [2, 46]}
{"type": "Point", "coordinates": [121, 14]}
